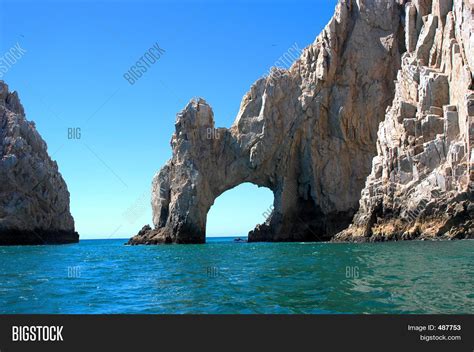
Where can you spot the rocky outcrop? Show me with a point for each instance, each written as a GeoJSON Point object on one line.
{"type": "Point", "coordinates": [421, 184]}
{"type": "Point", "coordinates": [307, 133]}
{"type": "Point", "coordinates": [34, 200]}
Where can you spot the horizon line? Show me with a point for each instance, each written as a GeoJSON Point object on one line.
{"type": "Point", "coordinates": [127, 238]}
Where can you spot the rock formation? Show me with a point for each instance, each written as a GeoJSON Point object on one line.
{"type": "Point", "coordinates": [421, 184]}
{"type": "Point", "coordinates": [310, 134]}
{"type": "Point", "coordinates": [34, 201]}
{"type": "Point", "coordinates": [307, 133]}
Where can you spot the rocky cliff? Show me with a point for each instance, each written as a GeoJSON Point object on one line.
{"type": "Point", "coordinates": [421, 184]}
{"type": "Point", "coordinates": [34, 199]}
{"type": "Point", "coordinates": [307, 133]}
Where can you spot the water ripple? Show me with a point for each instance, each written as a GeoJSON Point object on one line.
{"type": "Point", "coordinates": [224, 277]}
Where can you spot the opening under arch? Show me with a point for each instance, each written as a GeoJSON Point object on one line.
{"type": "Point", "coordinates": [238, 210]}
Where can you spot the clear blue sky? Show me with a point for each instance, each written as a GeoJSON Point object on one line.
{"type": "Point", "coordinates": [72, 72]}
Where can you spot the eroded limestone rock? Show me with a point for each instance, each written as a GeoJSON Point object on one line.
{"type": "Point", "coordinates": [34, 199]}
{"type": "Point", "coordinates": [421, 185]}
{"type": "Point", "coordinates": [307, 133]}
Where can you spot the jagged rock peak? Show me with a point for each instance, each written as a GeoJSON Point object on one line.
{"type": "Point", "coordinates": [34, 201]}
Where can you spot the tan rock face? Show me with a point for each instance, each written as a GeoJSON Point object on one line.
{"type": "Point", "coordinates": [34, 200]}
{"type": "Point", "coordinates": [421, 184]}
{"type": "Point", "coordinates": [307, 133]}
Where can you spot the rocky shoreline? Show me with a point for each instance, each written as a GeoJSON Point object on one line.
{"type": "Point", "coordinates": [451, 220]}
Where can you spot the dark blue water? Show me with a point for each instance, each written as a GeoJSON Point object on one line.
{"type": "Point", "coordinates": [104, 276]}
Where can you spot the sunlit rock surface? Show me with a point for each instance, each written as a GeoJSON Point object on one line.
{"type": "Point", "coordinates": [307, 133]}
{"type": "Point", "coordinates": [421, 184]}
{"type": "Point", "coordinates": [34, 199]}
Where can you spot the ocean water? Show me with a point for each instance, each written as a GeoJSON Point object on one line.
{"type": "Point", "coordinates": [104, 276]}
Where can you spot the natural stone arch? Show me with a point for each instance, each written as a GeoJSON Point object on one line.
{"type": "Point", "coordinates": [207, 163]}
{"type": "Point", "coordinates": [307, 133]}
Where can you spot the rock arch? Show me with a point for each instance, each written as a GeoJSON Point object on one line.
{"type": "Point", "coordinates": [307, 133]}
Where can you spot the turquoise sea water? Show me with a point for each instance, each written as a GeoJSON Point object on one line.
{"type": "Point", "coordinates": [104, 276]}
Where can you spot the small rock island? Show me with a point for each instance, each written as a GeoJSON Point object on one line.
{"type": "Point", "coordinates": [34, 199]}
